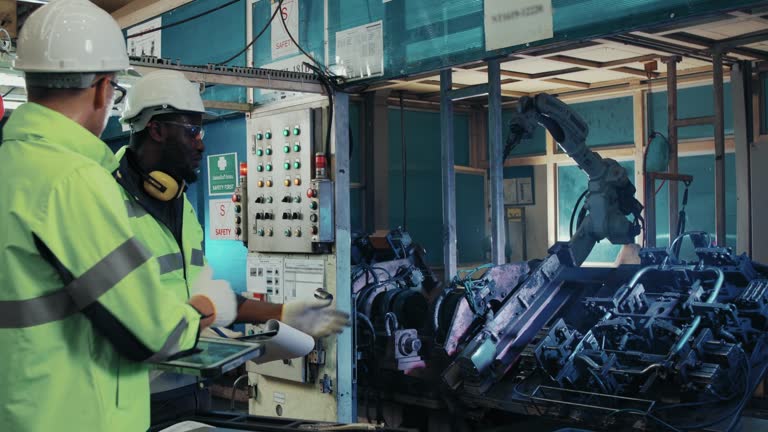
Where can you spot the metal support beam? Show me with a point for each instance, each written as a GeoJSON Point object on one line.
{"type": "Point", "coordinates": [231, 106]}
{"type": "Point", "coordinates": [496, 163]}
{"type": "Point", "coordinates": [640, 132]}
{"type": "Point", "coordinates": [346, 391]}
{"type": "Point", "coordinates": [741, 89]}
{"type": "Point", "coordinates": [717, 76]}
{"type": "Point", "coordinates": [377, 174]}
{"type": "Point", "coordinates": [672, 137]}
{"type": "Point", "coordinates": [468, 92]}
{"type": "Point", "coordinates": [449, 177]}
{"type": "Point", "coordinates": [235, 75]}
{"type": "Point", "coordinates": [724, 45]}
{"type": "Point", "coordinates": [695, 121]}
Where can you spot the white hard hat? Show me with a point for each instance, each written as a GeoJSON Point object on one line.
{"type": "Point", "coordinates": [160, 92]}
{"type": "Point", "coordinates": [71, 36]}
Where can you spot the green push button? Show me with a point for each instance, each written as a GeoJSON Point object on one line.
{"type": "Point", "coordinates": [259, 136]}
{"type": "Point", "coordinates": [296, 130]}
{"type": "Point", "coordinates": [297, 164]}
{"type": "Point", "coordinates": [259, 168]}
{"type": "Point", "coordinates": [286, 132]}
{"type": "Point", "coordinates": [268, 135]}
{"type": "Point", "coordinates": [269, 150]}
{"type": "Point", "coordinates": [259, 152]}
{"type": "Point", "coordinates": [269, 167]}
{"type": "Point", "coordinates": [296, 147]}
{"type": "Point", "coordinates": [286, 149]}
{"type": "Point", "coordinates": [287, 165]}
{"type": "Point", "coordinates": [313, 205]}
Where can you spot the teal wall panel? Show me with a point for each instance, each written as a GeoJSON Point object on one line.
{"type": "Point", "coordinates": [571, 182]}
{"type": "Point", "coordinates": [209, 39]}
{"type": "Point", "coordinates": [471, 239]}
{"type": "Point", "coordinates": [691, 102]}
{"type": "Point", "coordinates": [424, 178]}
{"type": "Point", "coordinates": [426, 35]}
{"type": "Point", "coordinates": [113, 134]}
{"type": "Point", "coordinates": [226, 257]}
{"type": "Point", "coordinates": [611, 121]}
{"type": "Point", "coordinates": [701, 199]}
{"type": "Point", "coordinates": [534, 146]}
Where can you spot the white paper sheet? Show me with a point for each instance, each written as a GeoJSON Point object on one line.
{"type": "Point", "coordinates": [288, 343]}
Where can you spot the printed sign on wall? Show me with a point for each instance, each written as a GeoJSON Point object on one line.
{"type": "Point", "coordinates": [510, 23]}
{"type": "Point", "coordinates": [146, 44]}
{"type": "Point", "coordinates": [282, 44]}
{"type": "Point", "coordinates": [221, 213]}
{"type": "Point", "coordinates": [222, 174]}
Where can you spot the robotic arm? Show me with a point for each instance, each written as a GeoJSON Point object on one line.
{"type": "Point", "coordinates": [611, 195]}
{"type": "Point", "coordinates": [501, 335]}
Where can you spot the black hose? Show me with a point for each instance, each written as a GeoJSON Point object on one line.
{"type": "Point", "coordinates": [573, 213]}
{"type": "Point", "coordinates": [365, 319]}
{"type": "Point", "coordinates": [436, 312]}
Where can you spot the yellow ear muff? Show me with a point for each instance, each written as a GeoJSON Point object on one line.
{"type": "Point", "coordinates": [161, 186]}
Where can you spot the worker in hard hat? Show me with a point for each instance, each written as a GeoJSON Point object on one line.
{"type": "Point", "coordinates": [165, 114]}
{"type": "Point", "coordinates": [83, 305]}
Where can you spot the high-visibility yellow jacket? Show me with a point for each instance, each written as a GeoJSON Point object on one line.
{"type": "Point", "coordinates": [180, 254]}
{"type": "Point", "coordinates": [81, 300]}
{"type": "Point", "coordinates": [171, 232]}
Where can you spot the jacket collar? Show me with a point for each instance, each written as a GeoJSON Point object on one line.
{"type": "Point", "coordinates": [33, 122]}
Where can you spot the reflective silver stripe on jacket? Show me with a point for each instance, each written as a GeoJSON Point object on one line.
{"type": "Point", "coordinates": [170, 262]}
{"type": "Point", "coordinates": [171, 345]}
{"type": "Point", "coordinates": [135, 210]}
{"type": "Point", "coordinates": [197, 258]}
{"type": "Point", "coordinates": [80, 293]}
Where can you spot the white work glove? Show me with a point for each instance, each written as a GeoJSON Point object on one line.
{"type": "Point", "coordinates": [219, 293]}
{"type": "Point", "coordinates": [314, 318]}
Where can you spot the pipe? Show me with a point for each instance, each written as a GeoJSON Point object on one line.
{"type": "Point", "coordinates": [368, 323]}
{"type": "Point", "coordinates": [696, 321]}
{"type": "Point", "coordinates": [436, 313]}
{"type": "Point", "coordinates": [718, 283]}
{"type": "Point", "coordinates": [682, 236]}
{"type": "Point", "coordinates": [639, 274]}
{"type": "Point", "coordinates": [686, 336]}
{"type": "Point", "coordinates": [642, 372]}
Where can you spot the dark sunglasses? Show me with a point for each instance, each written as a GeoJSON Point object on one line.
{"type": "Point", "coordinates": [194, 131]}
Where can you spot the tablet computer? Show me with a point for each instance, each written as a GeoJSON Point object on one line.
{"type": "Point", "coordinates": [213, 357]}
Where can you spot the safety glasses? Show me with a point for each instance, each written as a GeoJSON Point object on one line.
{"type": "Point", "coordinates": [120, 92]}
{"type": "Point", "coordinates": [193, 131]}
